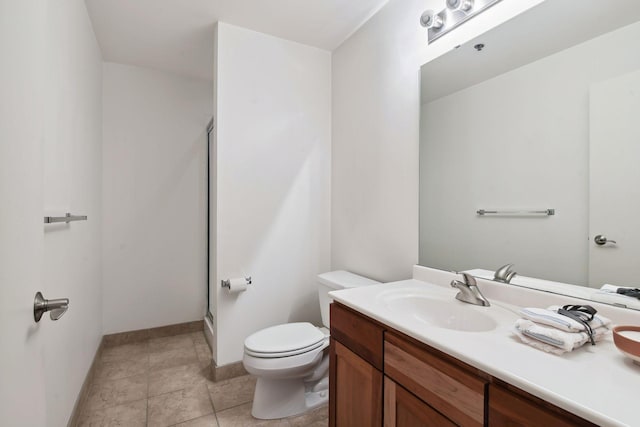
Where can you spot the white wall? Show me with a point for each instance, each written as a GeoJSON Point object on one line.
{"type": "Point", "coordinates": [523, 143]}
{"type": "Point", "coordinates": [273, 182]}
{"type": "Point", "coordinates": [154, 197]}
{"type": "Point", "coordinates": [375, 113]}
{"type": "Point", "coordinates": [54, 105]}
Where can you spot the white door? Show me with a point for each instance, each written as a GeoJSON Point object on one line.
{"type": "Point", "coordinates": [22, 399]}
{"type": "Point", "coordinates": [614, 204]}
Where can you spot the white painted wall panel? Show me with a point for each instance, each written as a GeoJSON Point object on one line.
{"type": "Point", "coordinates": [154, 204]}
{"type": "Point", "coordinates": [273, 182]}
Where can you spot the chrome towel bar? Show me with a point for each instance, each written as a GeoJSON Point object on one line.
{"type": "Point", "coordinates": [547, 212]}
{"type": "Point", "coordinates": [66, 218]}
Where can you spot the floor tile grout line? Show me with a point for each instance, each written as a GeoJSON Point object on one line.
{"type": "Point", "coordinates": [215, 412]}
{"type": "Point", "coordinates": [172, 391]}
{"type": "Point", "coordinates": [86, 413]}
{"type": "Point", "coordinates": [181, 390]}
{"type": "Point", "coordinates": [191, 419]}
{"type": "Point", "coordinates": [177, 366]}
{"type": "Point", "coordinates": [114, 405]}
{"type": "Point", "coordinates": [231, 407]}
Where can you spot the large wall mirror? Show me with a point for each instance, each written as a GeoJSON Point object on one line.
{"type": "Point", "coordinates": [542, 112]}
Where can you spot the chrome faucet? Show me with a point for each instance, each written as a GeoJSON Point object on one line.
{"type": "Point", "coordinates": [469, 291]}
{"type": "Point", "coordinates": [504, 274]}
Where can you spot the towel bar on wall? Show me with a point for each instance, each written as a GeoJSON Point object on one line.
{"type": "Point", "coordinates": [544, 212]}
{"type": "Point", "coordinates": [66, 218]}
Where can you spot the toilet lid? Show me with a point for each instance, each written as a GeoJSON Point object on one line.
{"type": "Point", "coordinates": [290, 338]}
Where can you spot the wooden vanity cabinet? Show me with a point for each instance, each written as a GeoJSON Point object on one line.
{"type": "Point", "coordinates": [379, 376]}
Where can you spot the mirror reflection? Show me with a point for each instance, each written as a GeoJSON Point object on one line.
{"type": "Point", "coordinates": [525, 119]}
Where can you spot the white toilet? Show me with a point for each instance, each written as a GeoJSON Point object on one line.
{"type": "Point", "coordinates": [291, 361]}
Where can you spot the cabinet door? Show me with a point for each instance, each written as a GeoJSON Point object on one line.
{"type": "Point", "coordinates": [451, 390]}
{"type": "Point", "coordinates": [355, 390]}
{"type": "Point", "coordinates": [403, 409]}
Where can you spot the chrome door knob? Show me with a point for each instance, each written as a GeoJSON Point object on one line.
{"type": "Point", "coordinates": [55, 307]}
{"type": "Point", "coordinates": [602, 240]}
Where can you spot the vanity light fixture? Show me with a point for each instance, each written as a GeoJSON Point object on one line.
{"type": "Point", "coordinates": [452, 16]}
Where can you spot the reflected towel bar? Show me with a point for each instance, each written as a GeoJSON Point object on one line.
{"type": "Point", "coordinates": [66, 218]}
{"type": "Point", "coordinates": [546, 212]}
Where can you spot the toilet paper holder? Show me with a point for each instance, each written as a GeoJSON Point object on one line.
{"type": "Point", "coordinates": [227, 282]}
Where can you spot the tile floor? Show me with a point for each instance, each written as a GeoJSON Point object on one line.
{"type": "Point", "coordinates": [165, 382]}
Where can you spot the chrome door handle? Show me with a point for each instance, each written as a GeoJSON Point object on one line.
{"type": "Point", "coordinates": [602, 240]}
{"type": "Point", "coordinates": [57, 307]}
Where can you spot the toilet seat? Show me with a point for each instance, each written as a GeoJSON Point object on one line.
{"type": "Point", "coordinates": [285, 340]}
{"type": "Point", "coordinates": [284, 353]}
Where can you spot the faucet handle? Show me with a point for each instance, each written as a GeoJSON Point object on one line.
{"type": "Point", "coordinates": [504, 274]}
{"type": "Point", "coordinates": [469, 279]}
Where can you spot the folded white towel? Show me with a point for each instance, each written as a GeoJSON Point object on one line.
{"type": "Point", "coordinates": [537, 344]}
{"type": "Point", "coordinates": [550, 317]}
{"type": "Point", "coordinates": [614, 288]}
{"type": "Point", "coordinates": [616, 299]}
{"type": "Point", "coordinates": [553, 340]}
{"type": "Point", "coordinates": [611, 288]}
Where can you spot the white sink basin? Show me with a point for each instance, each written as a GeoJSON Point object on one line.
{"type": "Point", "coordinates": [447, 313]}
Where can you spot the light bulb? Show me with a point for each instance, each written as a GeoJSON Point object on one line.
{"type": "Point", "coordinates": [463, 5]}
{"type": "Point", "coordinates": [431, 20]}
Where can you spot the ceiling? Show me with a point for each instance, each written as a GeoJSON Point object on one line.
{"type": "Point", "coordinates": [177, 35]}
{"type": "Point", "coordinates": [550, 27]}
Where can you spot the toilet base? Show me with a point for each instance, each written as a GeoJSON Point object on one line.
{"type": "Point", "coordinates": [285, 398]}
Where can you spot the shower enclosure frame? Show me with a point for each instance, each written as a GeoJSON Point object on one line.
{"type": "Point", "coordinates": [208, 313]}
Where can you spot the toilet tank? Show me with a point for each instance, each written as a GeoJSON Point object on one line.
{"type": "Point", "coordinates": [336, 280]}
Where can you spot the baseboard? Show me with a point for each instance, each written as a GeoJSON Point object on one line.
{"type": "Point", "coordinates": [232, 370]}
{"type": "Point", "coordinates": [159, 332]}
{"type": "Point", "coordinates": [74, 419]}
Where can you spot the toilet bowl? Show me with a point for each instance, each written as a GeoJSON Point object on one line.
{"type": "Point", "coordinates": [291, 360]}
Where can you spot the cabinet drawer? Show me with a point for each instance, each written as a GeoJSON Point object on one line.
{"type": "Point", "coordinates": [360, 334]}
{"type": "Point", "coordinates": [507, 408]}
{"type": "Point", "coordinates": [452, 391]}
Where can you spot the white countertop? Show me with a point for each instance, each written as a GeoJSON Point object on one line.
{"type": "Point", "coordinates": [594, 382]}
